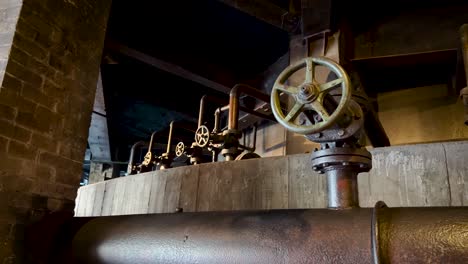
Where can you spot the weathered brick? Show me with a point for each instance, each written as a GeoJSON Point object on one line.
{"type": "Point", "coordinates": [3, 144]}
{"type": "Point", "coordinates": [25, 106]}
{"type": "Point", "coordinates": [8, 97]}
{"type": "Point", "coordinates": [23, 151]}
{"type": "Point", "coordinates": [21, 72]}
{"type": "Point", "coordinates": [72, 150]}
{"type": "Point", "coordinates": [18, 184]}
{"type": "Point", "coordinates": [57, 62]}
{"type": "Point", "coordinates": [12, 83]}
{"type": "Point", "coordinates": [26, 30]}
{"type": "Point", "coordinates": [7, 112]}
{"type": "Point", "coordinates": [12, 168]}
{"type": "Point", "coordinates": [9, 130]}
{"type": "Point", "coordinates": [59, 78]}
{"type": "Point", "coordinates": [31, 93]}
{"type": "Point", "coordinates": [30, 47]}
{"type": "Point", "coordinates": [70, 176]}
{"type": "Point", "coordinates": [43, 120]}
{"type": "Point", "coordinates": [31, 63]}
{"type": "Point", "coordinates": [59, 162]}
{"type": "Point", "coordinates": [43, 26]}
{"type": "Point", "coordinates": [52, 89]}
{"type": "Point", "coordinates": [48, 118]}
{"type": "Point", "coordinates": [19, 200]}
{"type": "Point", "coordinates": [26, 120]}
{"type": "Point", "coordinates": [45, 172]}
{"type": "Point", "coordinates": [45, 143]}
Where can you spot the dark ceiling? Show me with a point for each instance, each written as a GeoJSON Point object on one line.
{"type": "Point", "coordinates": [207, 38]}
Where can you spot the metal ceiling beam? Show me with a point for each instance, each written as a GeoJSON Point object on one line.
{"type": "Point", "coordinates": [166, 66]}
{"type": "Point", "coordinates": [267, 12]}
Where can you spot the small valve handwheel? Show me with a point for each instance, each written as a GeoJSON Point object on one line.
{"type": "Point", "coordinates": [147, 159]}
{"type": "Point", "coordinates": [179, 149]}
{"type": "Point", "coordinates": [202, 136]}
{"type": "Point", "coordinates": [310, 95]}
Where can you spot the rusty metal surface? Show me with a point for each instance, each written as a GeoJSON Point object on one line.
{"type": "Point", "coordinates": [341, 166]}
{"type": "Point", "coordinates": [282, 236]}
{"type": "Point", "coordinates": [423, 235]}
{"type": "Point", "coordinates": [342, 188]}
{"type": "Point", "coordinates": [359, 235]}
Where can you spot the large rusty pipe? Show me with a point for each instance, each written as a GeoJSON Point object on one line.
{"type": "Point", "coordinates": [359, 235]}
{"type": "Point", "coordinates": [234, 97]}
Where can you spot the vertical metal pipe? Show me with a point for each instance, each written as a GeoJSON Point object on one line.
{"type": "Point", "coordinates": [254, 146]}
{"type": "Point", "coordinates": [131, 159]}
{"type": "Point", "coordinates": [342, 188]}
{"type": "Point", "coordinates": [234, 109]}
{"type": "Point", "coordinates": [202, 110]}
{"type": "Point", "coordinates": [169, 140]}
{"type": "Point", "coordinates": [151, 141]}
{"type": "Point", "coordinates": [216, 120]}
{"type": "Point", "coordinates": [234, 96]}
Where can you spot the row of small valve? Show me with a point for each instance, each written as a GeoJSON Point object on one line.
{"type": "Point", "coordinates": [306, 98]}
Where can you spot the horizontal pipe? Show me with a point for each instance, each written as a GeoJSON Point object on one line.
{"type": "Point", "coordinates": [234, 96]}
{"type": "Point", "coordinates": [402, 235]}
{"type": "Point", "coordinates": [203, 101]}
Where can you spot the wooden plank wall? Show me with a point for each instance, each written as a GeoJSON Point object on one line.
{"type": "Point", "coordinates": [415, 175]}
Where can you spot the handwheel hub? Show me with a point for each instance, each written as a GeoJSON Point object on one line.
{"type": "Point", "coordinates": [308, 92]}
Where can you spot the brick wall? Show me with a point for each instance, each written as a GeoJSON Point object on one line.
{"type": "Point", "coordinates": [46, 98]}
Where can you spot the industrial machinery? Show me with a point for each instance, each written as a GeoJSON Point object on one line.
{"type": "Point", "coordinates": [225, 141]}
{"type": "Point", "coordinates": [151, 161]}
{"type": "Point", "coordinates": [343, 233]}
{"type": "Point", "coordinates": [336, 122]}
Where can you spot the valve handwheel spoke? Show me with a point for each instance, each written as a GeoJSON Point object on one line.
{"type": "Point", "coordinates": [295, 111]}
{"type": "Point", "coordinates": [317, 106]}
{"type": "Point", "coordinates": [310, 70]}
{"type": "Point", "coordinates": [202, 136]}
{"type": "Point", "coordinates": [180, 148]}
{"type": "Point", "coordinates": [326, 87]}
{"type": "Point", "coordinates": [287, 89]}
{"type": "Point", "coordinates": [310, 95]}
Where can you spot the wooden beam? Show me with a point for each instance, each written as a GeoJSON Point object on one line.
{"type": "Point", "coordinates": [166, 66]}
{"type": "Point", "coordinates": [267, 12]}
